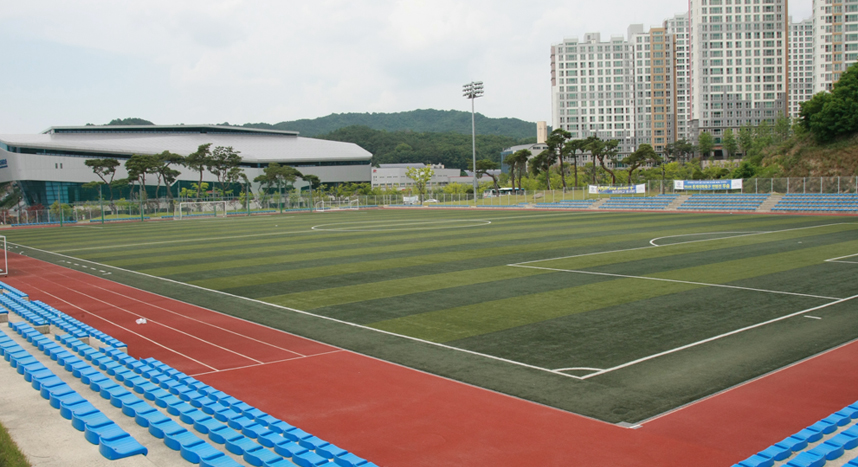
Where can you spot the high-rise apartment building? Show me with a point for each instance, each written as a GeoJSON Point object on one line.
{"type": "Point", "coordinates": [722, 65]}
{"type": "Point", "coordinates": [654, 86]}
{"type": "Point", "coordinates": [835, 27]}
{"type": "Point", "coordinates": [592, 89]}
{"type": "Point", "coordinates": [739, 63]}
{"type": "Point", "coordinates": [800, 65]}
{"type": "Point", "coordinates": [678, 28]}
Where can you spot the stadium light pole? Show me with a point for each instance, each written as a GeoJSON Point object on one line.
{"type": "Point", "coordinates": [471, 91]}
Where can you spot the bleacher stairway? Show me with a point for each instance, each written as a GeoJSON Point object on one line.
{"type": "Point", "coordinates": [769, 203]}
{"type": "Point", "coordinates": [596, 204]}
{"type": "Point", "coordinates": [677, 202]}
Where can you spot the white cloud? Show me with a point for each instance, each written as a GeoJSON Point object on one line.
{"type": "Point", "coordinates": [240, 61]}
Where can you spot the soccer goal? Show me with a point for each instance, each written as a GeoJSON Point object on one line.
{"type": "Point", "coordinates": [4, 266]}
{"type": "Point", "coordinates": [338, 205]}
{"type": "Point", "coordinates": [199, 209]}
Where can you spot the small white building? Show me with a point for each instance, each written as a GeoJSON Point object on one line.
{"type": "Point", "coordinates": [393, 176]}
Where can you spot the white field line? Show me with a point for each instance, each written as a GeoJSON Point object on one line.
{"type": "Point", "coordinates": [392, 227]}
{"type": "Point", "coordinates": [720, 336]}
{"type": "Point", "coordinates": [232, 237]}
{"type": "Point", "coordinates": [680, 243]}
{"type": "Point", "coordinates": [359, 326]}
{"type": "Point", "coordinates": [163, 325]}
{"type": "Point", "coordinates": [186, 240]}
{"type": "Point", "coordinates": [838, 259]}
{"type": "Point", "coordinates": [747, 382]}
{"type": "Point", "coordinates": [123, 327]}
{"type": "Point", "coordinates": [626, 276]}
{"type": "Point", "coordinates": [653, 241]}
{"type": "Point", "coordinates": [307, 313]}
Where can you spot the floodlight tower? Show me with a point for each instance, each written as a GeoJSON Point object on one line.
{"type": "Point", "coordinates": [471, 91]}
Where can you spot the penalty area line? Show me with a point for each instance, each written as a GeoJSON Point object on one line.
{"type": "Point", "coordinates": [659, 279]}
{"type": "Point", "coordinates": [307, 313]}
{"type": "Point", "coordinates": [720, 336]}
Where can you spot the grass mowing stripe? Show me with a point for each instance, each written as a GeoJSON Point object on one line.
{"type": "Point", "coordinates": [396, 287]}
{"type": "Point", "coordinates": [247, 277]}
{"type": "Point", "coordinates": [652, 252]}
{"type": "Point", "coordinates": [614, 335]}
{"type": "Point", "coordinates": [462, 322]}
{"type": "Point", "coordinates": [736, 270]}
{"type": "Point", "coordinates": [312, 240]}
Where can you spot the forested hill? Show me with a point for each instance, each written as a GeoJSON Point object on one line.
{"type": "Point", "coordinates": [451, 149]}
{"type": "Point", "coordinates": [420, 121]}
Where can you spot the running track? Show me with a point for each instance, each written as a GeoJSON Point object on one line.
{"type": "Point", "coordinates": [395, 416]}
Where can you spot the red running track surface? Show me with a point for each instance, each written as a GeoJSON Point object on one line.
{"type": "Point", "coordinates": [396, 416]}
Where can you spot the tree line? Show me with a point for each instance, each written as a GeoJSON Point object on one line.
{"type": "Point", "coordinates": [223, 162]}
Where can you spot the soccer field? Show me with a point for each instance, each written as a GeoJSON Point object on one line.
{"type": "Point", "coordinates": [617, 316]}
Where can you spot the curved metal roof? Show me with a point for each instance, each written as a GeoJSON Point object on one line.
{"type": "Point", "coordinates": [255, 145]}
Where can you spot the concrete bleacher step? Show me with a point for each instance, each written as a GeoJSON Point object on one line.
{"type": "Point", "coordinates": [598, 203]}
{"type": "Point", "coordinates": [770, 202]}
{"type": "Point", "coordinates": [677, 202]}
{"type": "Point", "coordinates": [42, 433]}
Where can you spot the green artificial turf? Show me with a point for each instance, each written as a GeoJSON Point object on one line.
{"type": "Point", "coordinates": [515, 301]}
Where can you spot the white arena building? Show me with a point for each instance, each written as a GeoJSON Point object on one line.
{"type": "Point", "coordinates": [51, 165]}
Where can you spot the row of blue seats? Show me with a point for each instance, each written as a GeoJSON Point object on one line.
{"type": "Point", "coordinates": [817, 203]}
{"type": "Point", "coordinates": [719, 207]}
{"type": "Point", "coordinates": [132, 406]}
{"type": "Point", "coordinates": [39, 313]}
{"type": "Point", "coordinates": [730, 195]}
{"type": "Point", "coordinates": [820, 196]}
{"type": "Point", "coordinates": [807, 447]}
{"type": "Point", "coordinates": [243, 429]}
{"type": "Point", "coordinates": [32, 317]}
{"type": "Point", "coordinates": [113, 442]}
{"type": "Point", "coordinates": [814, 209]}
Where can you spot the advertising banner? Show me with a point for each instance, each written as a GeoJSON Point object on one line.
{"type": "Point", "coordinates": [617, 190]}
{"type": "Point", "coordinates": [735, 184]}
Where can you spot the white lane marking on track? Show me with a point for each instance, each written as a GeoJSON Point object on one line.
{"type": "Point", "coordinates": [117, 307]}
{"type": "Point", "coordinates": [197, 320]}
{"type": "Point", "coordinates": [126, 329]}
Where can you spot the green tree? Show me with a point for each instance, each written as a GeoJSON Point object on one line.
{"type": "Point", "coordinates": [421, 177]}
{"type": "Point", "coordinates": [603, 151]}
{"type": "Point", "coordinates": [729, 144]}
{"type": "Point", "coordinates": [705, 143]}
{"type": "Point", "coordinates": [198, 161]}
{"type": "Point", "coordinates": [165, 172]}
{"type": "Point", "coordinates": [746, 139]}
{"type": "Point", "coordinates": [783, 128]}
{"type": "Point", "coordinates": [221, 164]}
{"type": "Point", "coordinates": [521, 157]}
{"type": "Point", "coordinates": [643, 154]}
{"type": "Point", "coordinates": [486, 167]}
{"type": "Point", "coordinates": [138, 167]}
{"type": "Point", "coordinates": [63, 209]}
{"type": "Point", "coordinates": [512, 162]}
{"type": "Point", "coordinates": [105, 169]}
{"type": "Point", "coordinates": [276, 175]}
{"type": "Point", "coordinates": [541, 163]}
{"type": "Point", "coordinates": [556, 142]}
{"type": "Point", "coordinates": [834, 115]}
{"type": "Point", "coordinates": [571, 148]}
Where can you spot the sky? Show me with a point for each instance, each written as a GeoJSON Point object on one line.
{"type": "Point", "coordinates": [214, 61]}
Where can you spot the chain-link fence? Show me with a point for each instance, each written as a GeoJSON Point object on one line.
{"type": "Point", "coordinates": [164, 208]}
